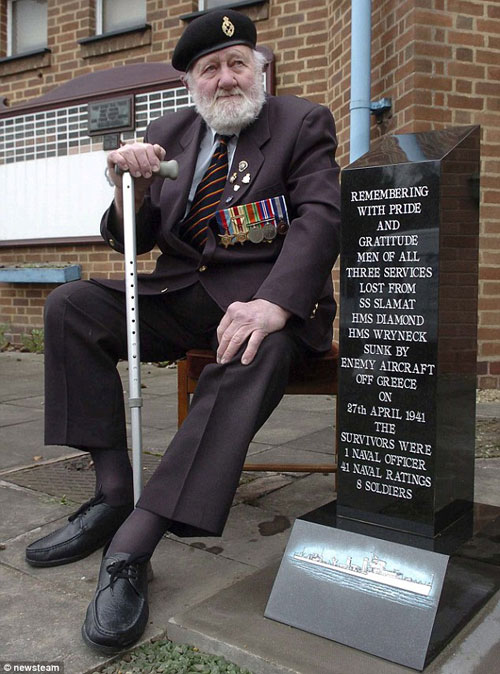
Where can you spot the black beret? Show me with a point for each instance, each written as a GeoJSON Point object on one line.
{"type": "Point", "coordinates": [214, 30]}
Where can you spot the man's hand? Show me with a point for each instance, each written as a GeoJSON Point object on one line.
{"type": "Point", "coordinates": [251, 321]}
{"type": "Point", "coordinates": [143, 162]}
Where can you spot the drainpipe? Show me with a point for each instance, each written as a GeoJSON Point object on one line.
{"type": "Point", "coordinates": [360, 77]}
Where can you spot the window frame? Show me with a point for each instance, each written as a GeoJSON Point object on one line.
{"type": "Point", "coordinates": [202, 5]}
{"type": "Point", "coordinates": [9, 28]}
{"type": "Point", "coordinates": [9, 45]}
{"type": "Point", "coordinates": [99, 19]}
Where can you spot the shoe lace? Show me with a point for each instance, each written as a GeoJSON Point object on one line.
{"type": "Point", "coordinates": [126, 569]}
{"type": "Point", "coordinates": [99, 498]}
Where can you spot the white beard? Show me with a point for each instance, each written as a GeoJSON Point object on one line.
{"type": "Point", "coordinates": [228, 112]}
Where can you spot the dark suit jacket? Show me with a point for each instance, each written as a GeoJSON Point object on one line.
{"type": "Point", "coordinates": [290, 151]}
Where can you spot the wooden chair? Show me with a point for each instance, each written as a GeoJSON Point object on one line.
{"type": "Point", "coordinates": [317, 375]}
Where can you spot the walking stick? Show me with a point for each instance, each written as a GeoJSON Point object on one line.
{"type": "Point", "coordinates": [168, 169]}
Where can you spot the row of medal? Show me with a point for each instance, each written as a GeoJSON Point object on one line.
{"type": "Point", "coordinates": [256, 222]}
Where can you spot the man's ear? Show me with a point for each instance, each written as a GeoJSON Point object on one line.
{"type": "Point", "coordinates": [184, 81]}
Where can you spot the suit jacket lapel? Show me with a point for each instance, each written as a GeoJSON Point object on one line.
{"type": "Point", "coordinates": [174, 193]}
{"type": "Point", "coordinates": [247, 160]}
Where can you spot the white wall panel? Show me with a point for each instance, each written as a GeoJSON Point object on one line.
{"type": "Point", "coordinates": [54, 197]}
{"type": "Point", "coordinates": [52, 173]}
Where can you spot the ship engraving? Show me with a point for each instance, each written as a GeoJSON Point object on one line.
{"type": "Point", "coordinates": [374, 569]}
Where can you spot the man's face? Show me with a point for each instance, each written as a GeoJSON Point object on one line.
{"type": "Point", "coordinates": [227, 88]}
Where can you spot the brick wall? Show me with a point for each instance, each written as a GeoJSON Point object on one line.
{"type": "Point", "coordinates": [439, 61]}
{"type": "Point", "coordinates": [21, 304]}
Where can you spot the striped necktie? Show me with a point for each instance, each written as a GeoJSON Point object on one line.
{"type": "Point", "coordinates": [206, 199]}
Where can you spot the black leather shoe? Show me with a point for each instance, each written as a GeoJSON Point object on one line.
{"type": "Point", "coordinates": [88, 529]}
{"type": "Point", "coordinates": [118, 614]}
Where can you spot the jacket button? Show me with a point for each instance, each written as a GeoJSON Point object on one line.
{"type": "Point", "coordinates": [111, 242]}
{"type": "Point", "coordinates": [203, 267]}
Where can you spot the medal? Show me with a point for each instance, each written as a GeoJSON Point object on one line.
{"type": "Point", "coordinates": [282, 227]}
{"type": "Point", "coordinates": [255, 234]}
{"type": "Point", "coordinates": [269, 231]}
{"type": "Point", "coordinates": [226, 239]}
{"type": "Point", "coordinates": [255, 222]}
{"type": "Point", "coordinates": [238, 222]}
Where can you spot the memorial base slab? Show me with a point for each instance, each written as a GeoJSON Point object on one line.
{"type": "Point", "coordinates": [396, 596]}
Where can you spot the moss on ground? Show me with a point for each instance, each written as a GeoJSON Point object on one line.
{"type": "Point", "coordinates": [169, 657]}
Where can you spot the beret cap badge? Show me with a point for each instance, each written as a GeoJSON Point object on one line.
{"type": "Point", "coordinates": [227, 27]}
{"type": "Point", "coordinates": [217, 29]}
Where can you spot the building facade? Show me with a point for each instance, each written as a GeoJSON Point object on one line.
{"type": "Point", "coordinates": [437, 60]}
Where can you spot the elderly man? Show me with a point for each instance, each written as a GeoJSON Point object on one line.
{"type": "Point", "coordinates": [248, 235]}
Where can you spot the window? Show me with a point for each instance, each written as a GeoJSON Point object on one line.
{"type": "Point", "coordinates": [210, 4]}
{"type": "Point", "coordinates": [112, 15]}
{"type": "Point", "coordinates": [26, 26]}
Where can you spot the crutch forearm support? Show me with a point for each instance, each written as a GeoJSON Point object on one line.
{"type": "Point", "coordinates": [167, 170]}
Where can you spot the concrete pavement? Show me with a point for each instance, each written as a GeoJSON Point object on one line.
{"type": "Point", "coordinates": [208, 591]}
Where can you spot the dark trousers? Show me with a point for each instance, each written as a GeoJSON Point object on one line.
{"type": "Point", "coordinates": [85, 336]}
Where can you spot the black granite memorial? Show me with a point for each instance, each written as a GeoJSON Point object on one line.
{"type": "Point", "coordinates": [407, 378]}
{"type": "Point", "coordinates": [403, 558]}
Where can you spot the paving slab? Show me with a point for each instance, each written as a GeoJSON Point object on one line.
{"type": "Point", "coordinates": [232, 624]}
{"type": "Point", "coordinates": [286, 425]}
{"type": "Point", "coordinates": [160, 411]}
{"type": "Point", "coordinates": [264, 483]}
{"type": "Point", "coordinates": [10, 414]}
{"type": "Point", "coordinates": [310, 403]}
{"type": "Point", "coordinates": [322, 440]}
{"type": "Point", "coordinates": [252, 536]}
{"type": "Point", "coordinates": [153, 439]}
{"type": "Point", "coordinates": [39, 622]}
{"type": "Point", "coordinates": [289, 454]}
{"type": "Point", "coordinates": [23, 510]}
{"type": "Point", "coordinates": [36, 402]}
{"type": "Point", "coordinates": [301, 496]}
{"type": "Point", "coordinates": [19, 443]}
{"type": "Point", "coordinates": [257, 447]}
{"type": "Point", "coordinates": [24, 371]}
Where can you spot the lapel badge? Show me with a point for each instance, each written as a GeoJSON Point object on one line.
{"type": "Point", "coordinates": [233, 177]}
{"type": "Point", "coordinates": [246, 178]}
{"type": "Point", "coordinates": [242, 166]}
{"type": "Point", "coordinates": [227, 27]}
{"type": "Point", "coordinates": [236, 187]}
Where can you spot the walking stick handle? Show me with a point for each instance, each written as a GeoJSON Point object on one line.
{"type": "Point", "coordinates": [168, 169]}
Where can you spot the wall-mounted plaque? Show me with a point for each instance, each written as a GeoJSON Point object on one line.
{"type": "Point", "coordinates": [110, 141]}
{"type": "Point", "coordinates": [111, 115]}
